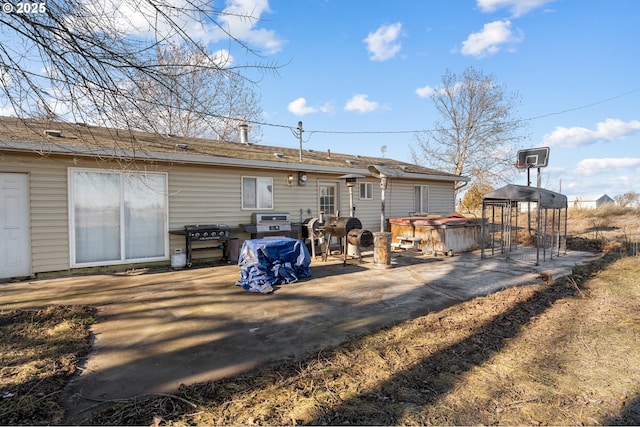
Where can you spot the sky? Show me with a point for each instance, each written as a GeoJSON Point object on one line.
{"type": "Point", "coordinates": [358, 74]}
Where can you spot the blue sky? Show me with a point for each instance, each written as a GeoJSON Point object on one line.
{"type": "Point", "coordinates": [358, 73]}
{"type": "Point", "coordinates": [354, 66]}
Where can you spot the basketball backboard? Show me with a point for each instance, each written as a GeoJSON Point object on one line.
{"type": "Point", "coordinates": [533, 158]}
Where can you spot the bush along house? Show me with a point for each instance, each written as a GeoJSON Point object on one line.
{"type": "Point", "coordinates": [76, 196]}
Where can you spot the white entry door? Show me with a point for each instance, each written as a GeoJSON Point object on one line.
{"type": "Point", "coordinates": [15, 248]}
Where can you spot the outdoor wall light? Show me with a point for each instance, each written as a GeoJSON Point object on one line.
{"type": "Point", "coordinates": [290, 180]}
{"type": "Point", "coordinates": [302, 178]}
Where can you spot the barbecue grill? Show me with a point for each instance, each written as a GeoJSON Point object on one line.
{"type": "Point", "coordinates": [340, 226]}
{"type": "Point", "coordinates": [271, 224]}
{"type": "Point", "coordinates": [360, 238]}
{"type": "Point", "coordinates": [312, 230]}
{"type": "Point", "coordinates": [349, 228]}
{"type": "Point", "coordinates": [217, 236]}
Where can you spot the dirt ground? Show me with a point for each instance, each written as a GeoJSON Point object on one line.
{"type": "Point", "coordinates": [565, 353]}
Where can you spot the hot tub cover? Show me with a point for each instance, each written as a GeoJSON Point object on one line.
{"type": "Point", "coordinates": [520, 193]}
{"type": "Point", "coordinates": [453, 219]}
{"type": "Point", "coordinates": [268, 262]}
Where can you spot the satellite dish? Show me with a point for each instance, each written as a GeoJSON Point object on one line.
{"type": "Point", "coordinates": [380, 171]}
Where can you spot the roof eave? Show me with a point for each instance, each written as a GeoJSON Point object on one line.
{"type": "Point", "coordinates": [178, 157]}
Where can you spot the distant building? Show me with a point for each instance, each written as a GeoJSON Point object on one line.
{"type": "Point", "coordinates": [589, 201]}
{"type": "Point", "coordinates": [604, 200]}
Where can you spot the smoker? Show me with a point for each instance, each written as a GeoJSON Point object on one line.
{"type": "Point", "coordinates": [349, 228]}
{"type": "Point", "coordinates": [340, 226]}
{"type": "Point", "coordinates": [217, 236]}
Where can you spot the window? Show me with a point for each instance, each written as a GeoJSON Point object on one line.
{"type": "Point", "coordinates": [421, 198]}
{"type": "Point", "coordinates": [117, 217]}
{"type": "Point", "coordinates": [257, 193]}
{"type": "Point", "coordinates": [328, 200]}
{"type": "Point", "coordinates": [366, 191]}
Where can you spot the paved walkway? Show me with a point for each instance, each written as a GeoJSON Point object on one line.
{"type": "Point", "coordinates": [159, 330]}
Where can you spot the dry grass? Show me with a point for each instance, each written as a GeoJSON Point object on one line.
{"type": "Point", "coordinates": [561, 354]}
{"type": "Point", "coordinates": [564, 354]}
{"type": "Point", "coordinates": [39, 352]}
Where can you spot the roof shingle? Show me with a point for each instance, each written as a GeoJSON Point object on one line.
{"type": "Point", "coordinates": [82, 139]}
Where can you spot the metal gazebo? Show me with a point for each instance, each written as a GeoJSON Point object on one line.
{"type": "Point", "coordinates": [544, 214]}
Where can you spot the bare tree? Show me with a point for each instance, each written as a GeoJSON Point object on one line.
{"type": "Point", "coordinates": [196, 98]}
{"type": "Point", "coordinates": [630, 198]}
{"type": "Point", "coordinates": [477, 134]}
{"type": "Point", "coordinates": [77, 60]}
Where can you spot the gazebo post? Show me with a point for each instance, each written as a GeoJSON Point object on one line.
{"type": "Point", "coordinates": [538, 234]}
{"type": "Point", "coordinates": [566, 218]}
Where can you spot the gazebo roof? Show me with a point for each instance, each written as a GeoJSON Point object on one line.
{"type": "Point", "coordinates": [547, 199]}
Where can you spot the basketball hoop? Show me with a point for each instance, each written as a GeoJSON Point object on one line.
{"type": "Point", "coordinates": [524, 165]}
{"type": "Point", "coordinates": [533, 158]}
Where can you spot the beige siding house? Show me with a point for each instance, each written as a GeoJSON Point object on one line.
{"type": "Point", "coordinates": [76, 196]}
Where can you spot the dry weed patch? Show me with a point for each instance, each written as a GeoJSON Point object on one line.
{"type": "Point", "coordinates": [561, 354]}
{"type": "Point", "coordinates": [576, 363]}
{"type": "Point", "coordinates": [39, 352]}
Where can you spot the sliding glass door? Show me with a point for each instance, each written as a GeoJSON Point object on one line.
{"type": "Point", "coordinates": [117, 217]}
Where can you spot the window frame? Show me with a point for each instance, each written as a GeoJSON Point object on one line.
{"type": "Point", "coordinates": [421, 188]}
{"type": "Point", "coordinates": [336, 196]}
{"type": "Point", "coordinates": [368, 193]}
{"type": "Point", "coordinates": [122, 220]}
{"type": "Point", "coordinates": [257, 193]}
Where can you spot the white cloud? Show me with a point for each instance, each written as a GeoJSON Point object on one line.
{"type": "Point", "coordinates": [327, 107]}
{"type": "Point", "coordinates": [221, 58]}
{"type": "Point", "coordinates": [489, 41]}
{"type": "Point", "coordinates": [606, 164]}
{"type": "Point", "coordinates": [383, 44]}
{"type": "Point", "coordinates": [517, 7]}
{"type": "Point", "coordinates": [590, 188]}
{"type": "Point", "coordinates": [361, 104]}
{"type": "Point", "coordinates": [425, 92]}
{"type": "Point", "coordinates": [239, 18]}
{"type": "Point", "coordinates": [299, 107]}
{"type": "Point", "coordinates": [7, 112]}
{"type": "Point", "coordinates": [608, 130]}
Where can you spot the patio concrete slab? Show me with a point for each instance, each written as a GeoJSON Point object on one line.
{"type": "Point", "coordinates": [158, 330]}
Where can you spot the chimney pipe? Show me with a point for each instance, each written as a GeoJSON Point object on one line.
{"type": "Point", "coordinates": [244, 133]}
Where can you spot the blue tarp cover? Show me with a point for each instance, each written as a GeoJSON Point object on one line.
{"type": "Point", "coordinates": [268, 262]}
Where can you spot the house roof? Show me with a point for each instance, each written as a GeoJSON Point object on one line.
{"type": "Point", "coordinates": [605, 198]}
{"type": "Point", "coordinates": [47, 137]}
{"type": "Point", "coordinates": [520, 193]}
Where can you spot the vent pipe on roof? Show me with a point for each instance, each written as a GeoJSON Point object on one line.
{"type": "Point", "coordinates": [244, 133]}
{"type": "Point", "coordinates": [53, 132]}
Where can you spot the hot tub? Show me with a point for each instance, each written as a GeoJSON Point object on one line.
{"type": "Point", "coordinates": [454, 232]}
